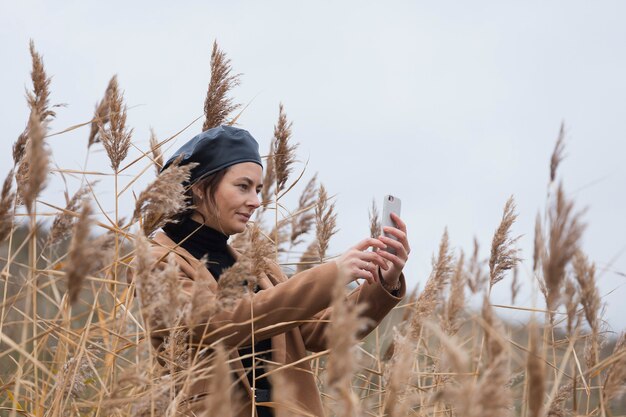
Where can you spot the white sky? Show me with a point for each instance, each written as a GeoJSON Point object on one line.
{"type": "Point", "coordinates": [452, 106]}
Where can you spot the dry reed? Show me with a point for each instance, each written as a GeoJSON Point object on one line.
{"type": "Point", "coordinates": [269, 181]}
{"type": "Point", "coordinates": [503, 253]}
{"type": "Point", "coordinates": [325, 221]}
{"type": "Point", "coordinates": [39, 98]}
{"type": "Point", "coordinates": [234, 282]}
{"type": "Point", "coordinates": [157, 153]}
{"type": "Point", "coordinates": [304, 218]}
{"type": "Point", "coordinates": [439, 278]}
{"type": "Point", "coordinates": [341, 335]}
{"type": "Point", "coordinates": [64, 220]}
{"type": "Point", "coordinates": [614, 386]}
{"type": "Point", "coordinates": [163, 198]}
{"type": "Point", "coordinates": [50, 364]}
{"type": "Point", "coordinates": [456, 298]}
{"type": "Point", "coordinates": [535, 369]}
{"type": "Point", "coordinates": [32, 171]}
{"type": "Point", "coordinates": [80, 255]}
{"type": "Point", "coordinates": [557, 153]}
{"type": "Point", "coordinates": [217, 105]}
{"type": "Point", "coordinates": [101, 114]}
{"type": "Point", "coordinates": [115, 136]}
{"type": "Point", "coordinates": [374, 217]}
{"type": "Point", "coordinates": [219, 403]}
{"type": "Point", "coordinates": [564, 232]}
{"type": "Point", "coordinates": [7, 199]}
{"type": "Point", "coordinates": [284, 151]}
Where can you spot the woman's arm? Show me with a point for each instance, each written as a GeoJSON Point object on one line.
{"type": "Point", "coordinates": [378, 303]}
{"type": "Point", "coordinates": [276, 309]}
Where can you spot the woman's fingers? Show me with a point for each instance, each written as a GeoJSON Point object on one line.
{"type": "Point", "coordinates": [398, 221]}
{"type": "Point", "coordinates": [374, 258]}
{"type": "Point", "coordinates": [369, 242]}
{"type": "Point", "coordinates": [399, 232]}
{"type": "Point", "coordinates": [394, 259]}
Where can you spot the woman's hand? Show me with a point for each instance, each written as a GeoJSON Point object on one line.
{"type": "Point", "coordinates": [357, 262]}
{"type": "Point", "coordinates": [395, 262]}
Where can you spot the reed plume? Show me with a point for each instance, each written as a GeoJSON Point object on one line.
{"type": "Point", "coordinates": [456, 298]}
{"type": "Point", "coordinates": [219, 402]}
{"type": "Point", "coordinates": [439, 277]}
{"type": "Point", "coordinates": [585, 274]}
{"type": "Point", "coordinates": [284, 151]}
{"type": "Point", "coordinates": [202, 304]}
{"type": "Point", "coordinates": [309, 257]}
{"type": "Point", "coordinates": [535, 370]}
{"type": "Point", "coordinates": [557, 153]}
{"type": "Point", "coordinates": [398, 375]}
{"type": "Point", "coordinates": [217, 105]}
{"type": "Point", "coordinates": [234, 282]}
{"type": "Point", "coordinates": [304, 218]}
{"type": "Point", "coordinates": [515, 284]}
{"type": "Point", "coordinates": [342, 364]}
{"type": "Point", "coordinates": [476, 279]}
{"type": "Point", "coordinates": [75, 374]}
{"type": "Point", "coordinates": [101, 114]}
{"type": "Point", "coordinates": [374, 216]}
{"type": "Point", "coordinates": [564, 232]}
{"type": "Point", "coordinates": [279, 235]}
{"type": "Point", "coordinates": [269, 181]}
{"type": "Point", "coordinates": [504, 255]}
{"type": "Point", "coordinates": [157, 286]}
{"type": "Point", "coordinates": [539, 246]}
{"type": "Point", "coordinates": [32, 171]}
{"type": "Point", "coordinates": [614, 386]}
{"type": "Point", "coordinates": [7, 199]}
{"type": "Point", "coordinates": [163, 198]}
{"type": "Point", "coordinates": [39, 98]}
{"type": "Point", "coordinates": [157, 153]}
{"type": "Point", "coordinates": [38, 102]}
{"type": "Point", "coordinates": [557, 406]}
{"type": "Point", "coordinates": [488, 396]}
{"type": "Point", "coordinates": [493, 330]}
{"type": "Point", "coordinates": [114, 135]}
{"type": "Point", "coordinates": [571, 304]}
{"type": "Point", "coordinates": [325, 221]}
{"type": "Point", "coordinates": [64, 220]}
{"type": "Point", "coordinates": [80, 254]}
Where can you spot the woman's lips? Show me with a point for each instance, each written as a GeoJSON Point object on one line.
{"type": "Point", "coordinates": [244, 216]}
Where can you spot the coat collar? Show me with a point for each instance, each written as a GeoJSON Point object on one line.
{"type": "Point", "coordinates": [163, 240]}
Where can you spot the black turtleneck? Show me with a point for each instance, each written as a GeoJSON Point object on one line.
{"type": "Point", "coordinates": [200, 241]}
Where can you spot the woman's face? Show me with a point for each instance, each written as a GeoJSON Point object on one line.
{"type": "Point", "coordinates": [236, 198]}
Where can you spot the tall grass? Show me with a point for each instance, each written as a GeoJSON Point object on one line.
{"type": "Point", "coordinates": [73, 340]}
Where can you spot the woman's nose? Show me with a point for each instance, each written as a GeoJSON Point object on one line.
{"type": "Point", "coordinates": [254, 201]}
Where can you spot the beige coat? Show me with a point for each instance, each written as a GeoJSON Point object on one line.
{"type": "Point", "coordinates": [293, 312]}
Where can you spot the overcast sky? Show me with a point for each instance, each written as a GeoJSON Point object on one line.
{"type": "Point", "coordinates": [452, 106]}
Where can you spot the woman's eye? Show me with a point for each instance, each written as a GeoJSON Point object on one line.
{"type": "Point", "coordinates": [243, 186]}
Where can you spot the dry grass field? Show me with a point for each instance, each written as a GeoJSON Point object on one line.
{"type": "Point", "coordinates": [73, 338]}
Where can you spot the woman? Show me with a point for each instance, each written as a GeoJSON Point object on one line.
{"type": "Point", "coordinates": [290, 314]}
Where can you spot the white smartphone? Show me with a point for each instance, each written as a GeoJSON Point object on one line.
{"type": "Point", "coordinates": [391, 204]}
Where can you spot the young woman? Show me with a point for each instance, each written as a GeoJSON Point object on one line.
{"type": "Point", "coordinates": [290, 314]}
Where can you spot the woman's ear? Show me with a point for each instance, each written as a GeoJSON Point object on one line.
{"type": "Point", "coordinates": [198, 192]}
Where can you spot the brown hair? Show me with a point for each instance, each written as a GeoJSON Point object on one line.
{"type": "Point", "coordinates": [208, 185]}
